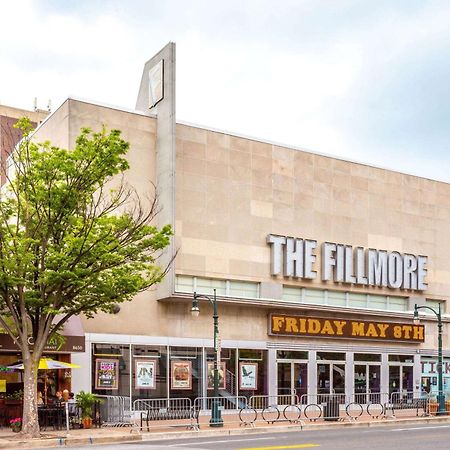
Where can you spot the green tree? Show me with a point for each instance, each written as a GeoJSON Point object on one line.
{"type": "Point", "coordinates": [70, 245]}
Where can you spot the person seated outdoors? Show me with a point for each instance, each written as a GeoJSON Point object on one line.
{"type": "Point", "coordinates": [72, 404]}
{"type": "Point", "coordinates": [59, 398]}
{"type": "Point", "coordinates": [40, 400]}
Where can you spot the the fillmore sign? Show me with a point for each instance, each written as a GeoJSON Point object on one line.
{"type": "Point", "coordinates": [293, 325]}
{"type": "Point", "coordinates": [296, 257]}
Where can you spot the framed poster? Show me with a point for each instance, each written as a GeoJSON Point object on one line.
{"type": "Point", "coordinates": [145, 374]}
{"type": "Point", "coordinates": [181, 374]}
{"type": "Point", "coordinates": [222, 378]}
{"type": "Point", "coordinates": [107, 374]}
{"type": "Point", "coordinates": [248, 376]}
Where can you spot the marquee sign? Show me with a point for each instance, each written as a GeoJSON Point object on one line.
{"type": "Point", "coordinates": [298, 326]}
{"type": "Point", "coordinates": [296, 257]}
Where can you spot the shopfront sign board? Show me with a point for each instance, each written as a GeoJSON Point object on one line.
{"type": "Point", "coordinates": [72, 344]}
{"type": "Point", "coordinates": [298, 326]}
{"type": "Point", "coordinates": [341, 263]}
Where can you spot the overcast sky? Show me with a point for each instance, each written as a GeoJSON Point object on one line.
{"type": "Point", "coordinates": [360, 79]}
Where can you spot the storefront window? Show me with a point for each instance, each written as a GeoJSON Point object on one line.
{"type": "Point", "coordinates": [228, 383]}
{"type": "Point", "coordinates": [401, 373]}
{"type": "Point", "coordinates": [367, 357]}
{"type": "Point", "coordinates": [11, 380]}
{"type": "Point", "coordinates": [401, 358]}
{"type": "Point", "coordinates": [252, 372]}
{"type": "Point", "coordinates": [331, 356]}
{"type": "Point", "coordinates": [111, 369]}
{"type": "Point", "coordinates": [288, 354]}
{"type": "Point", "coordinates": [429, 378]}
{"type": "Point", "coordinates": [149, 372]}
{"type": "Point", "coordinates": [185, 372]}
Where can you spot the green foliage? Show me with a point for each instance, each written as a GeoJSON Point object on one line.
{"type": "Point", "coordinates": [69, 245]}
{"type": "Point", "coordinates": [86, 401]}
{"type": "Point", "coordinates": [16, 395]}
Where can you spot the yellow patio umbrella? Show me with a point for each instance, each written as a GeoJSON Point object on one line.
{"type": "Point", "coordinates": [47, 364]}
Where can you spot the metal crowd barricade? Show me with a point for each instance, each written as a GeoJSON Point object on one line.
{"type": "Point", "coordinates": [115, 410]}
{"type": "Point", "coordinates": [408, 400]}
{"type": "Point", "coordinates": [168, 410]}
{"type": "Point", "coordinates": [230, 408]}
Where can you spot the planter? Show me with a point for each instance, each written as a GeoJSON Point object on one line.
{"type": "Point", "coordinates": [87, 423]}
{"type": "Point", "coordinates": [10, 402]}
{"type": "Point", "coordinates": [433, 408]}
{"type": "Point", "coordinates": [16, 429]}
{"type": "Point", "coordinates": [447, 406]}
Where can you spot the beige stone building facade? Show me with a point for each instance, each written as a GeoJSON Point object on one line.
{"type": "Point", "coordinates": [316, 262]}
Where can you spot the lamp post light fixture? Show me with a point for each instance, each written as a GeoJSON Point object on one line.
{"type": "Point", "coordinates": [440, 398]}
{"type": "Point", "coordinates": [216, 418]}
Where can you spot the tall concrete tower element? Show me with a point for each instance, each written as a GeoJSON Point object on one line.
{"type": "Point", "coordinates": [157, 96]}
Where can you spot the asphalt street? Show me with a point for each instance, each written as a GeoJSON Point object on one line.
{"type": "Point", "coordinates": [420, 437]}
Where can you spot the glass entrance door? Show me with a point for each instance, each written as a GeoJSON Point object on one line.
{"type": "Point", "coordinates": [284, 378]}
{"type": "Point", "coordinates": [330, 378]}
{"type": "Point", "coordinates": [292, 378]}
{"type": "Point", "coordinates": [400, 378]}
{"type": "Point", "coordinates": [300, 373]}
{"type": "Point", "coordinates": [394, 379]}
{"type": "Point", "coordinates": [367, 378]}
{"type": "Point", "coordinates": [367, 381]}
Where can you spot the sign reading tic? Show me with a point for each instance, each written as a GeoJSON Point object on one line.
{"type": "Point", "coordinates": [295, 257]}
{"type": "Point", "coordinates": [289, 325]}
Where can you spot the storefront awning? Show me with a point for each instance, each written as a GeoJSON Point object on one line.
{"type": "Point", "coordinates": [72, 332]}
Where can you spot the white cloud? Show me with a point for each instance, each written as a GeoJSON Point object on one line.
{"type": "Point", "coordinates": [329, 76]}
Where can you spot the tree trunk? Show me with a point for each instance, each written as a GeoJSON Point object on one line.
{"type": "Point", "coordinates": [30, 422]}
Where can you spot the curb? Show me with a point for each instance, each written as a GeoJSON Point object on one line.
{"type": "Point", "coordinates": [290, 428]}
{"type": "Point", "coordinates": [58, 442]}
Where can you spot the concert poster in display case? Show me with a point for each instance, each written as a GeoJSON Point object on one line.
{"type": "Point", "coordinates": [181, 374]}
{"type": "Point", "coordinates": [145, 374]}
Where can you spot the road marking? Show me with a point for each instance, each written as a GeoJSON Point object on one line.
{"type": "Point", "coordinates": [279, 447]}
{"type": "Point", "coordinates": [421, 428]}
{"type": "Point", "coordinates": [221, 442]}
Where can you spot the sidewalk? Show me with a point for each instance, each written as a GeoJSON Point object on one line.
{"type": "Point", "coordinates": [110, 435]}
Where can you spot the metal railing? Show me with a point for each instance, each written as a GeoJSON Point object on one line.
{"type": "Point", "coordinates": [204, 404]}
{"type": "Point", "coordinates": [408, 400]}
{"type": "Point", "coordinates": [241, 410]}
{"type": "Point", "coordinates": [115, 410]}
{"type": "Point", "coordinates": [163, 405]}
{"type": "Point", "coordinates": [165, 409]}
{"type": "Point", "coordinates": [264, 401]}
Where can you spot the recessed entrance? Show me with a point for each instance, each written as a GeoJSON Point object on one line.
{"type": "Point", "coordinates": [330, 373]}
{"type": "Point", "coordinates": [292, 378]}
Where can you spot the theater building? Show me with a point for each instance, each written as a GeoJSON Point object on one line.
{"type": "Point", "coordinates": [317, 263]}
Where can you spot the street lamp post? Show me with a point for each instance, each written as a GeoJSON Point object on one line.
{"type": "Point", "coordinates": [440, 398]}
{"type": "Point", "coordinates": [216, 418]}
